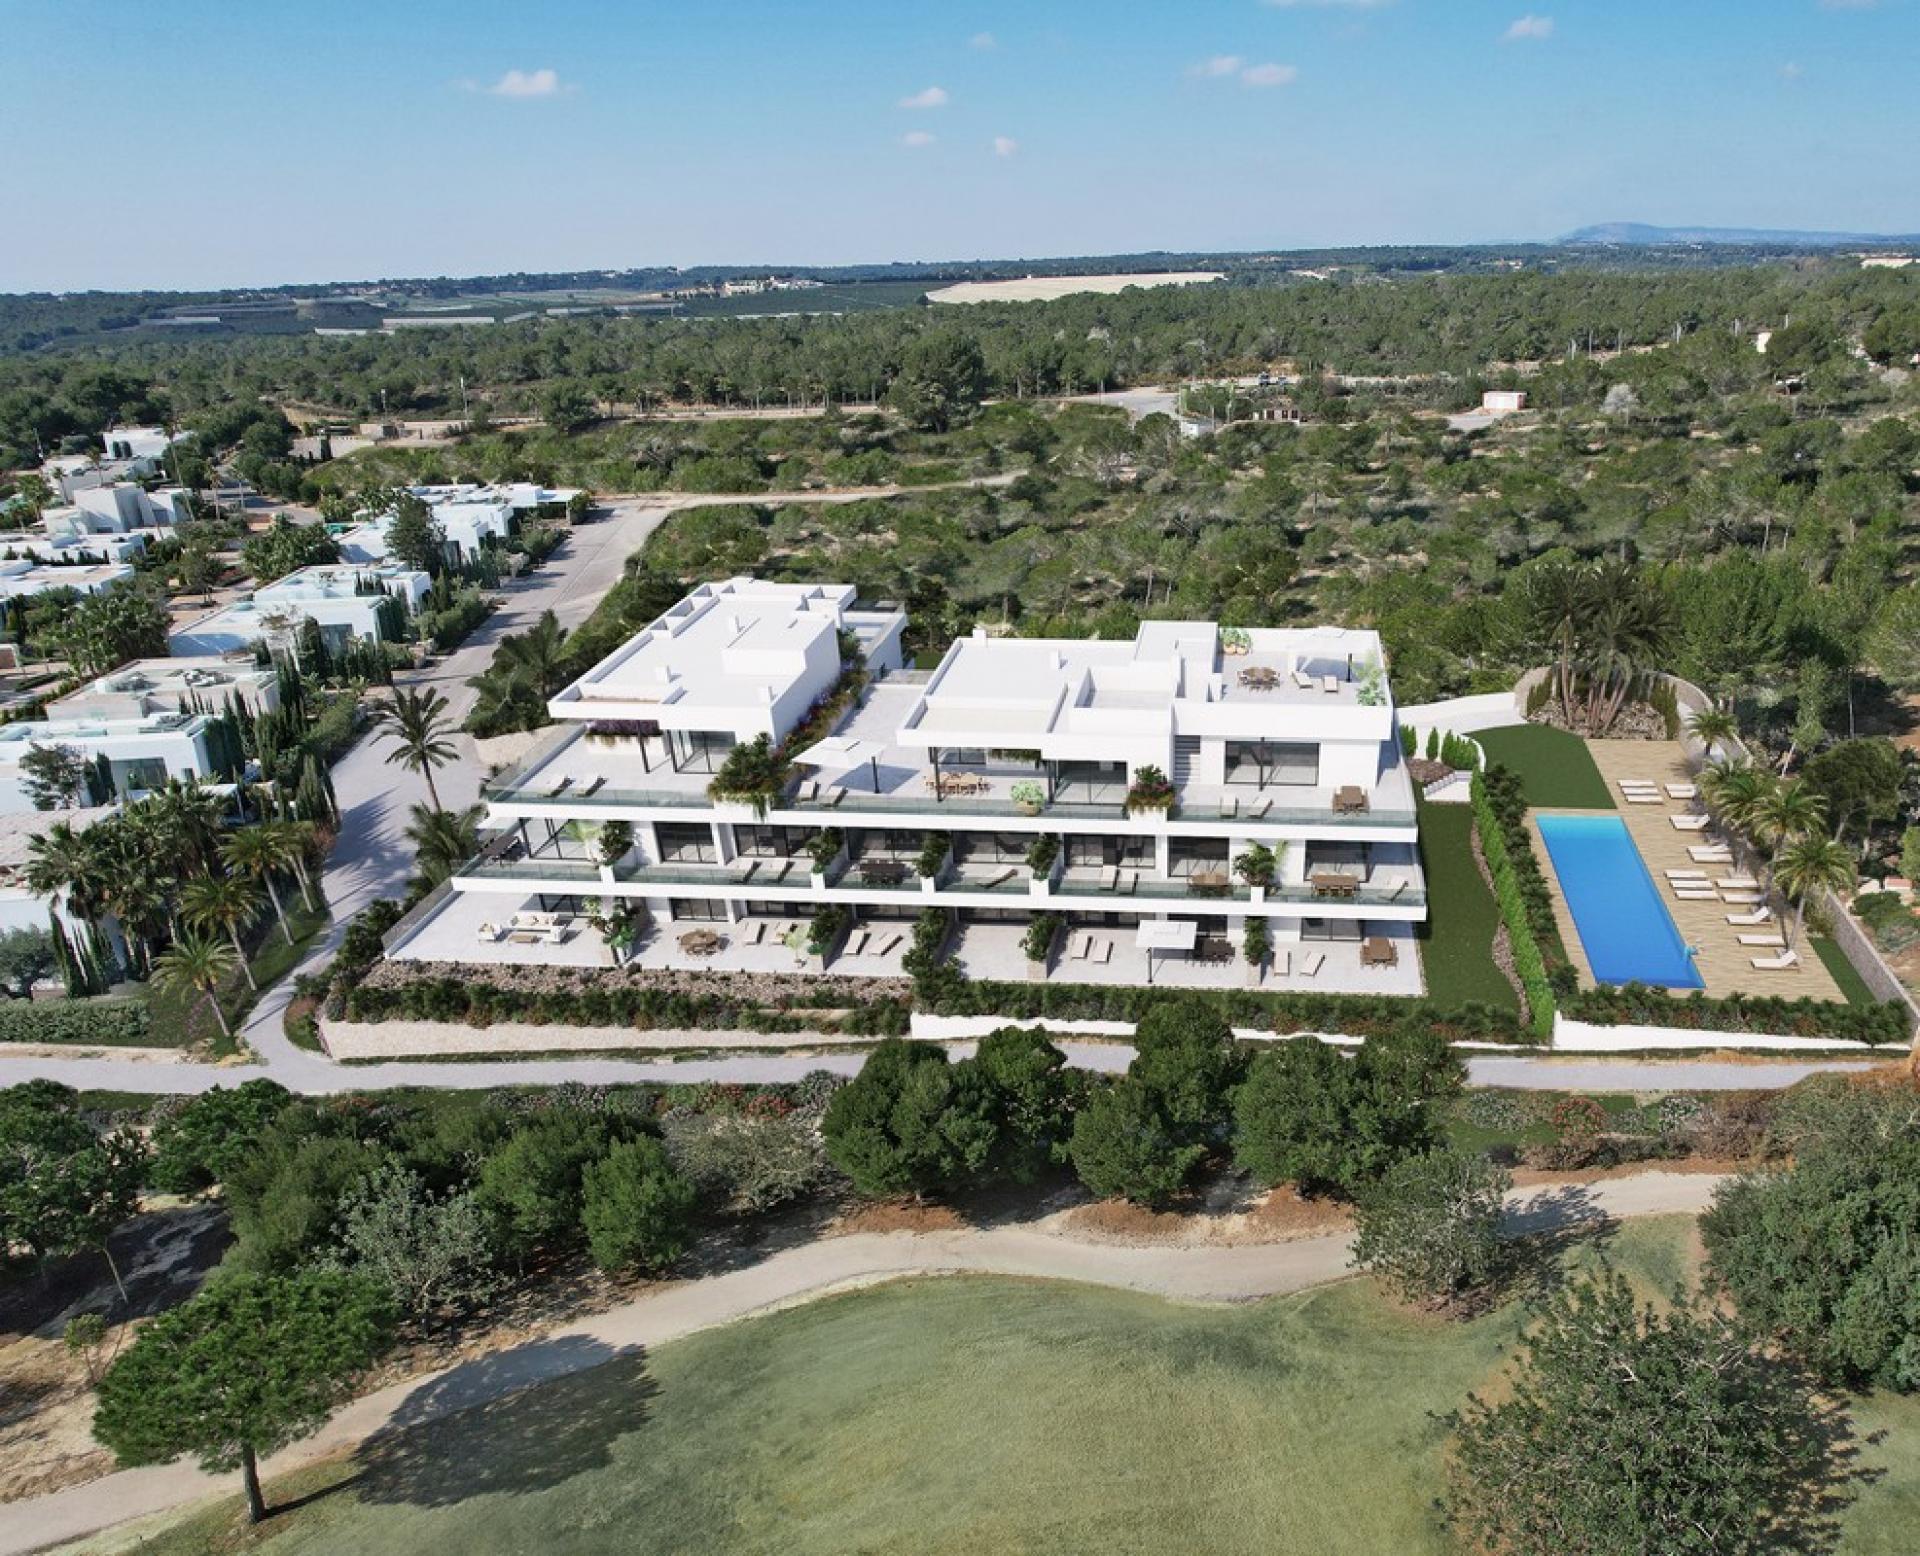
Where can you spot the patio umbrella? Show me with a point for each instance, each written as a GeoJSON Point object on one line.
{"type": "Point", "coordinates": [1165, 934]}
{"type": "Point", "coordinates": [844, 752]}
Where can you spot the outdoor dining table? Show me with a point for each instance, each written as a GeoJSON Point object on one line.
{"type": "Point", "coordinates": [1334, 883]}
{"type": "Point", "coordinates": [1377, 951]}
{"type": "Point", "coordinates": [1349, 797]}
{"type": "Point", "coordinates": [701, 942]}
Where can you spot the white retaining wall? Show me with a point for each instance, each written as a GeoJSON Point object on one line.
{"type": "Point", "coordinates": [1584, 1037]}
{"type": "Point", "coordinates": [1464, 715]}
{"type": "Point", "coordinates": [424, 1039]}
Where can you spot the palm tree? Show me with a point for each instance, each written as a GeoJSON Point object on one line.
{"type": "Point", "coordinates": [1556, 604]}
{"type": "Point", "coordinates": [1812, 863]}
{"type": "Point", "coordinates": [1785, 813]}
{"type": "Point", "coordinates": [535, 656]}
{"type": "Point", "coordinates": [1712, 727]}
{"type": "Point", "coordinates": [298, 842]}
{"type": "Point", "coordinates": [416, 723]}
{"type": "Point", "coordinates": [197, 961]}
{"type": "Point", "coordinates": [63, 860]}
{"type": "Point", "coordinates": [223, 902]}
{"type": "Point", "coordinates": [258, 852]}
{"type": "Point", "coordinates": [1735, 790]}
{"type": "Point", "coordinates": [443, 840]}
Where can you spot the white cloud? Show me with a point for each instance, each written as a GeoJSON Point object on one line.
{"type": "Point", "coordinates": [983, 40]}
{"type": "Point", "coordinates": [527, 83]}
{"type": "Point", "coordinates": [1793, 70]}
{"type": "Point", "coordinates": [931, 97]}
{"type": "Point", "coordinates": [1219, 65]}
{"type": "Point", "coordinates": [1005, 145]}
{"type": "Point", "coordinates": [1344, 5]}
{"type": "Point", "coordinates": [1269, 75]}
{"type": "Point", "coordinates": [914, 139]}
{"type": "Point", "coordinates": [1529, 29]}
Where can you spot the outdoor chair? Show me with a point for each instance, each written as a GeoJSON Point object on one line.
{"type": "Point", "coordinates": [1759, 915]}
{"type": "Point", "coordinates": [1778, 963]}
{"type": "Point", "coordinates": [1311, 964]}
{"type": "Point", "coordinates": [1772, 940]}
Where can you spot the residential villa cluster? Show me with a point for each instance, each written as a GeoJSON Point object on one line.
{"type": "Point", "coordinates": [1156, 775]}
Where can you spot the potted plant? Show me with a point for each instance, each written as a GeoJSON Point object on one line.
{"type": "Point", "coordinates": [1038, 943]}
{"type": "Point", "coordinates": [1041, 854]}
{"type": "Point", "coordinates": [1258, 945]}
{"type": "Point", "coordinates": [615, 842]}
{"type": "Point", "coordinates": [823, 850]}
{"type": "Point", "coordinates": [1257, 865]}
{"type": "Point", "coordinates": [827, 929]}
{"type": "Point", "coordinates": [753, 774]}
{"type": "Point", "coordinates": [1236, 640]}
{"type": "Point", "coordinates": [1028, 796]}
{"type": "Point", "coordinates": [1373, 684]}
{"type": "Point", "coordinates": [933, 856]}
{"type": "Point", "coordinates": [1150, 790]}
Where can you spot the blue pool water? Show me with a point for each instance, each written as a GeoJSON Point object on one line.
{"type": "Point", "coordinates": [1628, 935]}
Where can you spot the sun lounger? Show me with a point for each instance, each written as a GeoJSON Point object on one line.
{"type": "Point", "coordinates": [1702, 894]}
{"type": "Point", "coordinates": [1282, 963]}
{"type": "Point", "coordinates": [1129, 880]}
{"type": "Point", "coordinates": [1638, 783]}
{"type": "Point", "coordinates": [857, 946]}
{"type": "Point", "coordinates": [758, 935]}
{"type": "Point", "coordinates": [1329, 683]}
{"type": "Point", "coordinates": [1302, 680]}
{"type": "Point", "coordinates": [1261, 809]}
{"type": "Point", "coordinates": [752, 869]}
{"type": "Point", "coordinates": [1229, 807]}
{"type": "Point", "coordinates": [1742, 899]}
{"type": "Point", "coordinates": [1686, 875]}
{"type": "Point", "coordinates": [835, 795]}
{"type": "Point", "coordinates": [1104, 953]}
{"type": "Point", "coordinates": [594, 787]}
{"type": "Point", "coordinates": [1110, 877]}
{"type": "Point", "coordinates": [1778, 963]}
{"type": "Point", "coordinates": [810, 790]}
{"type": "Point", "coordinates": [1310, 965]}
{"type": "Point", "coordinates": [1693, 823]}
{"type": "Point", "coordinates": [1773, 940]}
{"type": "Point", "coordinates": [1395, 889]}
{"type": "Point", "coordinates": [1737, 883]}
{"type": "Point", "coordinates": [1003, 877]}
{"type": "Point", "coordinates": [1759, 915]}
{"type": "Point", "coordinates": [1711, 855]}
{"type": "Point", "coordinates": [1082, 948]}
{"type": "Point", "coordinates": [559, 786]}
{"type": "Point", "coordinates": [1634, 797]}
{"type": "Point", "coordinates": [1683, 791]}
{"type": "Point", "coordinates": [488, 932]}
{"type": "Point", "coordinates": [892, 945]}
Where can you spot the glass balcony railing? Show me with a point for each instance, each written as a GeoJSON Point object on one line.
{"type": "Point", "coordinates": [531, 869]}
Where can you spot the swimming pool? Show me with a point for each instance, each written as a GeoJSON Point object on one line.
{"type": "Point", "coordinates": [1625, 929]}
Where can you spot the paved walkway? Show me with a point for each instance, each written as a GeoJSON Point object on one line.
{"type": "Point", "coordinates": [785, 1279]}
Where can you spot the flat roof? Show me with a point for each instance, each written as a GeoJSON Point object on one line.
{"type": "Point", "coordinates": [741, 643]}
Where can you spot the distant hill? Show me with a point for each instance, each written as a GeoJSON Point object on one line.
{"type": "Point", "coordinates": [1641, 235]}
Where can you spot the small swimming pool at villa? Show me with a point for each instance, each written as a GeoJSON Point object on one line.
{"type": "Point", "coordinates": [1624, 927]}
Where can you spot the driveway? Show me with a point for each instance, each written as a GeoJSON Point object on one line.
{"type": "Point", "coordinates": [799, 1274]}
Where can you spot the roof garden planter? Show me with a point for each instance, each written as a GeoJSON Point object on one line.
{"type": "Point", "coordinates": [1150, 790]}
{"type": "Point", "coordinates": [1028, 798]}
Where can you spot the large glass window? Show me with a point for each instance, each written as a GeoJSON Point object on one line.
{"type": "Point", "coordinates": [698, 750]}
{"type": "Point", "coordinates": [991, 847]}
{"type": "Point", "coordinates": [885, 843]}
{"type": "Point", "coordinates": [772, 842]}
{"type": "Point", "coordinates": [697, 908]}
{"type": "Point", "coordinates": [1096, 853]}
{"type": "Point", "coordinates": [685, 842]}
{"type": "Point", "coordinates": [1096, 783]}
{"type": "Point", "coordinates": [1266, 763]}
{"type": "Point", "coordinates": [1205, 855]}
{"type": "Point", "coordinates": [146, 772]}
{"type": "Point", "coordinates": [1327, 858]}
{"type": "Point", "coordinates": [1330, 929]}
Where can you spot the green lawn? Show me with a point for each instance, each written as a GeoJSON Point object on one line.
{"type": "Point", "coordinates": [1462, 915]}
{"type": "Point", "coordinates": [1554, 766]}
{"type": "Point", "coordinates": [969, 1415]}
{"type": "Point", "coordinates": [1852, 985]}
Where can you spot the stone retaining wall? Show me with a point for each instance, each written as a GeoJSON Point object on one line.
{"type": "Point", "coordinates": [434, 1039]}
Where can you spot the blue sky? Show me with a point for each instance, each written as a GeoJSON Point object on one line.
{"type": "Point", "coordinates": [227, 142]}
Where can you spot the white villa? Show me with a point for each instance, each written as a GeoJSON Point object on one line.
{"type": "Point", "coordinates": [140, 754]}
{"type": "Point", "coordinates": [1283, 738]}
{"type": "Point", "coordinates": [114, 521]}
{"type": "Point", "coordinates": [145, 686]}
{"type": "Point", "coordinates": [468, 525]}
{"type": "Point", "coordinates": [343, 600]}
{"type": "Point", "coordinates": [25, 575]}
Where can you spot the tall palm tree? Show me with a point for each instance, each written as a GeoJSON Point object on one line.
{"type": "Point", "coordinates": [416, 723]}
{"type": "Point", "coordinates": [63, 860]}
{"type": "Point", "coordinates": [1556, 605]}
{"type": "Point", "coordinates": [1785, 813]}
{"type": "Point", "coordinates": [1812, 863]}
{"type": "Point", "coordinates": [443, 840]}
{"type": "Point", "coordinates": [259, 853]}
{"type": "Point", "coordinates": [223, 902]}
{"type": "Point", "coordinates": [1735, 790]}
{"type": "Point", "coordinates": [535, 656]}
{"type": "Point", "coordinates": [197, 961]}
{"type": "Point", "coordinates": [298, 841]}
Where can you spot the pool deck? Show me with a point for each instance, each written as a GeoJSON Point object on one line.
{"type": "Point", "coordinates": [1724, 964]}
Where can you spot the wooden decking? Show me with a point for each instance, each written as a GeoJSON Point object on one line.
{"type": "Point", "coordinates": [1725, 965]}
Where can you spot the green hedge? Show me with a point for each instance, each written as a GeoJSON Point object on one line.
{"type": "Point", "coordinates": [479, 1004]}
{"type": "Point", "coordinates": [111, 1022]}
{"type": "Point", "coordinates": [1499, 846]}
{"type": "Point", "coordinates": [1358, 1015]}
{"type": "Point", "coordinates": [1637, 1004]}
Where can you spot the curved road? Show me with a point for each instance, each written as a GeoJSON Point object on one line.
{"type": "Point", "coordinates": [1207, 1273]}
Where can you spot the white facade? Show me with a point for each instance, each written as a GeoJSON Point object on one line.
{"type": "Point", "coordinates": [147, 686]}
{"type": "Point", "coordinates": [1503, 400]}
{"type": "Point", "coordinates": [467, 525]}
{"type": "Point", "coordinates": [137, 442]}
{"type": "Point", "coordinates": [518, 496]}
{"type": "Point", "coordinates": [141, 753]}
{"type": "Point", "coordinates": [25, 576]}
{"type": "Point", "coordinates": [71, 474]}
{"type": "Point", "coordinates": [1282, 738]}
{"type": "Point", "coordinates": [343, 601]}
{"type": "Point", "coordinates": [123, 506]}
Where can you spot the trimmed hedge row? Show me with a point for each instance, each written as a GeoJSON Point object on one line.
{"type": "Point", "coordinates": [1637, 1004]}
{"type": "Point", "coordinates": [1358, 1015]}
{"type": "Point", "coordinates": [1501, 849]}
{"type": "Point", "coordinates": [480, 1004]}
{"type": "Point", "coordinates": [121, 1023]}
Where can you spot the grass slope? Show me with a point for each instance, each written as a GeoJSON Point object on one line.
{"type": "Point", "coordinates": [1554, 766]}
{"type": "Point", "coordinates": [1458, 954]}
{"type": "Point", "coordinates": [969, 1415]}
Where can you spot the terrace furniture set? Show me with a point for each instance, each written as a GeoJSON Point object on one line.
{"type": "Point", "coordinates": [529, 928]}
{"type": "Point", "coordinates": [1349, 799]}
{"type": "Point", "coordinates": [944, 784]}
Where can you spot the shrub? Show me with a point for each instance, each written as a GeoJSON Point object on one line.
{"type": "Point", "coordinates": [636, 1209]}
{"type": "Point", "coordinates": [1041, 932]}
{"type": "Point", "coordinates": [1123, 1146]}
{"type": "Point", "coordinates": [933, 856]}
{"type": "Point", "coordinates": [429, 1254]}
{"type": "Point", "coordinates": [1637, 1004]}
{"type": "Point", "coordinates": [1042, 852]}
{"type": "Point", "coordinates": [1257, 865]}
{"type": "Point", "coordinates": [1259, 942]}
{"type": "Point", "coordinates": [908, 1123]}
{"type": "Point", "coordinates": [210, 1136]}
{"type": "Point", "coordinates": [1577, 1124]}
{"type": "Point", "coordinates": [823, 848]}
{"type": "Point", "coordinates": [930, 931]}
{"type": "Point", "coordinates": [1186, 1059]}
{"type": "Point", "coordinates": [616, 838]}
{"type": "Point", "coordinates": [532, 1185]}
{"type": "Point", "coordinates": [98, 1022]}
{"type": "Point", "coordinates": [1033, 1099]}
{"type": "Point", "coordinates": [748, 1161]}
{"type": "Point", "coordinates": [1513, 884]}
{"type": "Point", "coordinates": [827, 927]}
{"type": "Point", "coordinates": [1430, 1227]}
{"type": "Point", "coordinates": [752, 774]}
{"type": "Point", "coordinates": [1149, 790]}
{"type": "Point", "coordinates": [1735, 1125]}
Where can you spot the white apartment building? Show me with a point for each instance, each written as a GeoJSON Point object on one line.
{"type": "Point", "coordinates": [344, 601]}
{"type": "Point", "coordinates": [146, 686]}
{"type": "Point", "coordinates": [140, 754]}
{"type": "Point", "coordinates": [467, 525]}
{"type": "Point", "coordinates": [1281, 738]}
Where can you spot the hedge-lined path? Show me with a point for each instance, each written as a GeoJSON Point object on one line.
{"type": "Point", "coordinates": [1234, 1273]}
